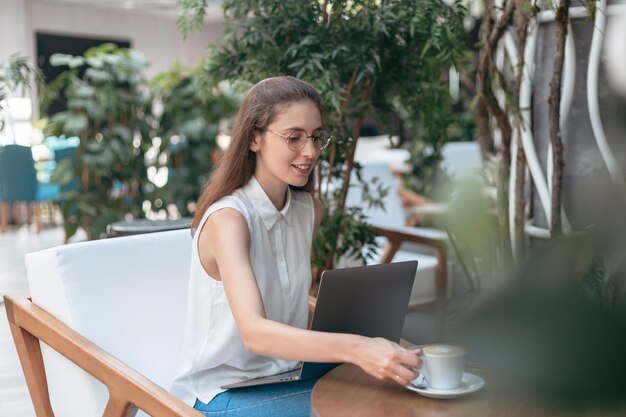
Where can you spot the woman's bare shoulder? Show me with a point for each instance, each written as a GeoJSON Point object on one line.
{"type": "Point", "coordinates": [225, 219]}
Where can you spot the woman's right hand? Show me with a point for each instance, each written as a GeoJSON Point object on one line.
{"type": "Point", "coordinates": [387, 361]}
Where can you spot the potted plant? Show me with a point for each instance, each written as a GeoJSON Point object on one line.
{"type": "Point", "coordinates": [109, 108]}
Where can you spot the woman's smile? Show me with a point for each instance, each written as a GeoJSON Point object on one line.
{"type": "Point", "coordinates": [303, 169]}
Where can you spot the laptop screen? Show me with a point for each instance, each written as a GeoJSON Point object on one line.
{"type": "Point", "coordinates": [366, 300]}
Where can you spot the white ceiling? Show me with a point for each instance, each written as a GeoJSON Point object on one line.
{"type": "Point", "coordinates": [214, 10]}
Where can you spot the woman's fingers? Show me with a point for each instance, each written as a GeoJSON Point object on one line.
{"type": "Point", "coordinates": [402, 376]}
{"type": "Point", "coordinates": [412, 358]}
{"type": "Point", "coordinates": [406, 369]}
{"type": "Point", "coordinates": [390, 361]}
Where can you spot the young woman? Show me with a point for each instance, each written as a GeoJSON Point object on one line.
{"type": "Point", "coordinates": [250, 268]}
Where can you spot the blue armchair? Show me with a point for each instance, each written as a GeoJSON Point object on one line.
{"type": "Point", "coordinates": [18, 184]}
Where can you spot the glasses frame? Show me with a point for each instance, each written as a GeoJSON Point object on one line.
{"type": "Point", "coordinates": [322, 146]}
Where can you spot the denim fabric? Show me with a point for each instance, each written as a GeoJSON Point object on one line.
{"type": "Point", "coordinates": [291, 399]}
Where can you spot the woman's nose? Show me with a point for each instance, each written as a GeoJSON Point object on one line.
{"type": "Point", "coordinates": [310, 149]}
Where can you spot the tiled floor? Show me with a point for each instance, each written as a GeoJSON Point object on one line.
{"type": "Point", "coordinates": [17, 242]}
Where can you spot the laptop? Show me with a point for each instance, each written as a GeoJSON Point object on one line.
{"type": "Point", "coordinates": [365, 300]}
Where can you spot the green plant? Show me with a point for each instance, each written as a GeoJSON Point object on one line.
{"type": "Point", "coordinates": [109, 109]}
{"type": "Point", "coordinates": [16, 73]}
{"type": "Point", "coordinates": [363, 56]}
{"type": "Point", "coordinates": [188, 126]}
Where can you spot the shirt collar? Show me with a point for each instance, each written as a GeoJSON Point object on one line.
{"type": "Point", "coordinates": [264, 206]}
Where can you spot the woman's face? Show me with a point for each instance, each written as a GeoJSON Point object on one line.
{"type": "Point", "coordinates": [276, 164]}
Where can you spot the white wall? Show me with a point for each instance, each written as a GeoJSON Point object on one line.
{"type": "Point", "coordinates": [13, 36]}
{"type": "Point", "coordinates": [154, 35]}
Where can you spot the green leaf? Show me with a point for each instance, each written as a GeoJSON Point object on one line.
{"type": "Point", "coordinates": [87, 208]}
{"type": "Point", "coordinates": [57, 60]}
{"type": "Point", "coordinates": [63, 173]}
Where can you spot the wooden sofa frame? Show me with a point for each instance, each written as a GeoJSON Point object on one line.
{"type": "Point", "coordinates": [128, 389]}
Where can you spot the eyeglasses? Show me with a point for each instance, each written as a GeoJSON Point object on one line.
{"type": "Point", "coordinates": [297, 139]}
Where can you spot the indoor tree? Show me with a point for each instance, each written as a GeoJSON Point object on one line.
{"type": "Point", "coordinates": [364, 56]}
{"type": "Point", "coordinates": [191, 116]}
{"type": "Point", "coordinates": [109, 109]}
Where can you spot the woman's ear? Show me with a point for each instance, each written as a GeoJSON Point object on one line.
{"type": "Point", "coordinates": [255, 143]}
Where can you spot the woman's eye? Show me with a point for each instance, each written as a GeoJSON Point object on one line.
{"type": "Point", "coordinates": [296, 136]}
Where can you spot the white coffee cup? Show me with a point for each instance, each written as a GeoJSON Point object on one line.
{"type": "Point", "coordinates": [443, 366]}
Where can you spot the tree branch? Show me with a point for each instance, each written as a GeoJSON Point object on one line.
{"type": "Point", "coordinates": [521, 28]}
{"type": "Point", "coordinates": [341, 202]}
{"type": "Point", "coordinates": [554, 102]}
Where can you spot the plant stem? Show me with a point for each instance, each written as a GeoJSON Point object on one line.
{"type": "Point", "coordinates": [340, 116]}
{"type": "Point", "coordinates": [346, 178]}
{"type": "Point", "coordinates": [554, 102]}
{"type": "Point", "coordinates": [331, 163]}
{"type": "Point", "coordinates": [483, 132]}
{"type": "Point", "coordinates": [486, 68]}
{"type": "Point", "coordinates": [521, 28]}
{"type": "Point", "coordinates": [346, 99]}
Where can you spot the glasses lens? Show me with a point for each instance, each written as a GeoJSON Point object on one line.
{"type": "Point", "coordinates": [296, 140]}
{"type": "Point", "coordinates": [321, 139]}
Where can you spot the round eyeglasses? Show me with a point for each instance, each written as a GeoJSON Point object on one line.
{"type": "Point", "coordinates": [297, 139]}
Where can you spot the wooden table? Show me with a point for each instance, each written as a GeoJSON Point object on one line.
{"type": "Point", "coordinates": [348, 391]}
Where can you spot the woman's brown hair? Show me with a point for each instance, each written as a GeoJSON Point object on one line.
{"type": "Point", "coordinates": [263, 102]}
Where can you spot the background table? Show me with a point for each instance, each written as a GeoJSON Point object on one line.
{"type": "Point", "coordinates": [140, 226]}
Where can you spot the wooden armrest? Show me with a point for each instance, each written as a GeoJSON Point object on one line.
{"type": "Point", "coordinates": [128, 389]}
{"type": "Point", "coordinates": [437, 239]}
{"type": "Point", "coordinates": [411, 198]}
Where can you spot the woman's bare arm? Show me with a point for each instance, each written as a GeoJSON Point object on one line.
{"type": "Point", "coordinates": [225, 240]}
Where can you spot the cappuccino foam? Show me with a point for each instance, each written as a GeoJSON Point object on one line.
{"type": "Point", "coordinates": [444, 350]}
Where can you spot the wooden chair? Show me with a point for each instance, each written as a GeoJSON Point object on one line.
{"type": "Point", "coordinates": [106, 312]}
{"type": "Point", "coordinates": [402, 242]}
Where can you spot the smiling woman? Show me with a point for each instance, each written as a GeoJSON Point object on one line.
{"type": "Point", "coordinates": [279, 163]}
{"type": "Point", "coordinates": [263, 103]}
{"type": "Point", "coordinates": [251, 266]}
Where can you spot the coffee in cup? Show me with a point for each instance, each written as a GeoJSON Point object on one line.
{"type": "Point", "coordinates": [443, 365]}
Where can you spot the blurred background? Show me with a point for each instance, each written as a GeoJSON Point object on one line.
{"type": "Point", "coordinates": [483, 138]}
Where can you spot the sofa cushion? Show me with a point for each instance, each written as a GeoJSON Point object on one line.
{"type": "Point", "coordinates": [128, 295]}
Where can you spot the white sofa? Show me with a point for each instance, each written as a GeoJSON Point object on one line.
{"type": "Point", "coordinates": [112, 306]}
{"type": "Point", "coordinates": [128, 295]}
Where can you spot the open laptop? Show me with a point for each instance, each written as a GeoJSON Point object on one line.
{"type": "Point", "coordinates": [366, 300]}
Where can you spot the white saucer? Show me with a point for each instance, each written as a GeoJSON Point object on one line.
{"type": "Point", "coordinates": [469, 383]}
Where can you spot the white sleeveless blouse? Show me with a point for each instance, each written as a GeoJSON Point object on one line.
{"type": "Point", "coordinates": [213, 351]}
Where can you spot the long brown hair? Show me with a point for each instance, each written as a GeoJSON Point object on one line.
{"type": "Point", "coordinates": [259, 108]}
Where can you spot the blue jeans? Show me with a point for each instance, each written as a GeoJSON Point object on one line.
{"type": "Point", "coordinates": [291, 399]}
